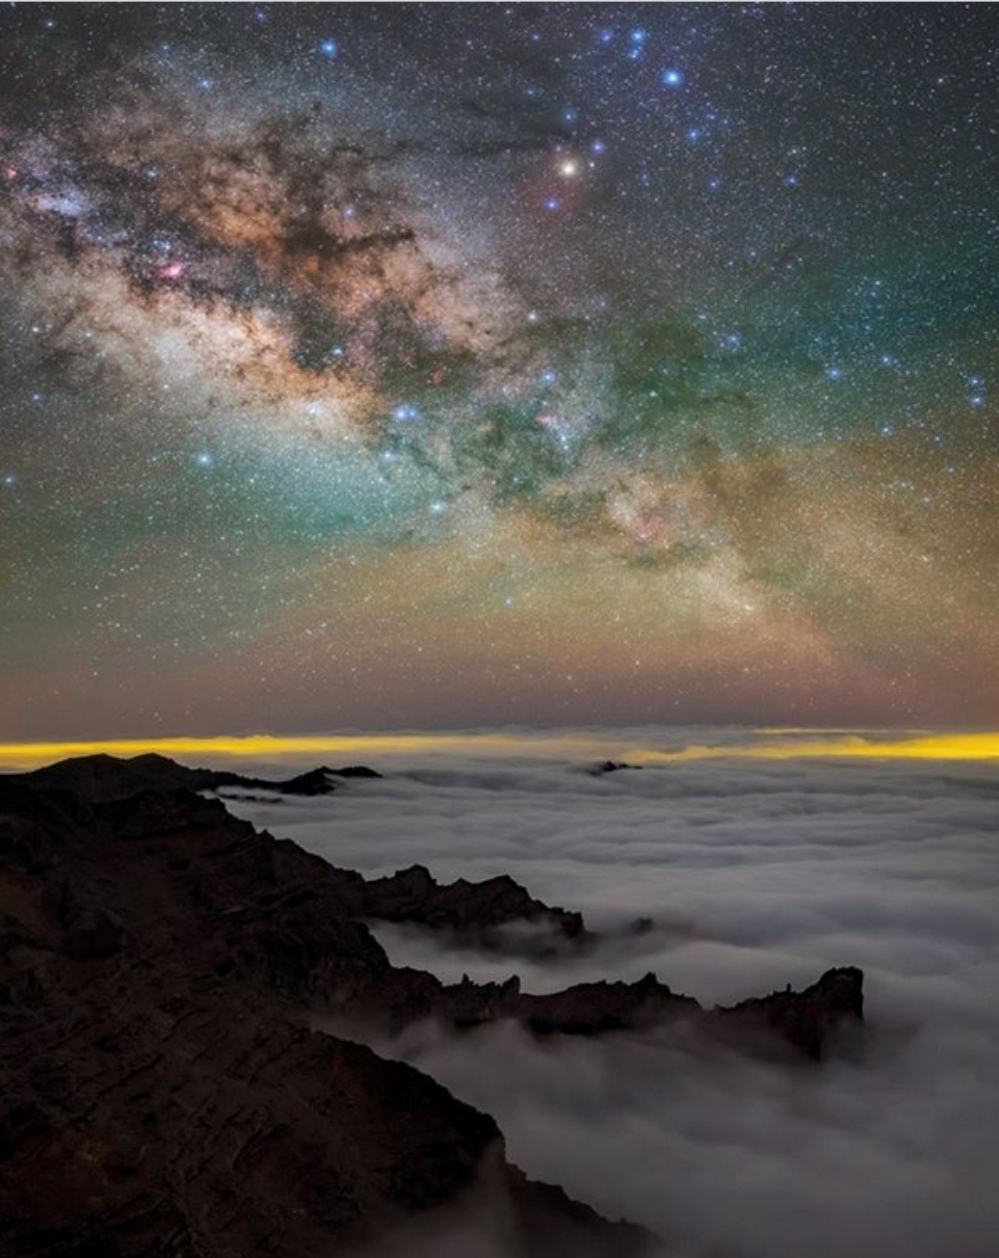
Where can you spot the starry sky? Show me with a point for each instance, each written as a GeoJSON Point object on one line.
{"type": "Point", "coordinates": [420, 366]}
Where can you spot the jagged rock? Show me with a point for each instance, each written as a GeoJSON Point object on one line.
{"type": "Point", "coordinates": [589, 1008]}
{"type": "Point", "coordinates": [497, 914]}
{"type": "Point", "coordinates": [267, 911]}
{"type": "Point", "coordinates": [101, 778]}
{"type": "Point", "coordinates": [158, 1090]}
{"type": "Point", "coordinates": [810, 1020]}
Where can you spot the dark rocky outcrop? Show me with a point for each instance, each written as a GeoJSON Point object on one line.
{"type": "Point", "coordinates": [611, 766]}
{"type": "Point", "coordinates": [497, 914]}
{"type": "Point", "coordinates": [160, 961]}
{"type": "Point", "coordinates": [159, 1091]}
{"type": "Point", "coordinates": [811, 1020]}
{"type": "Point", "coordinates": [101, 778]}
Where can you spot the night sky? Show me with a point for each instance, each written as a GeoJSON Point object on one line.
{"type": "Point", "coordinates": [416, 366]}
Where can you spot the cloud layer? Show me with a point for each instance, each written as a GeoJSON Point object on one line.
{"type": "Point", "coordinates": [757, 874]}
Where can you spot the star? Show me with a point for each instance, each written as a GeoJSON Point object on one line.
{"type": "Point", "coordinates": [619, 301]}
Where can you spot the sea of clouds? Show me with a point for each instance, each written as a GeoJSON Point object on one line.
{"type": "Point", "coordinates": [757, 873]}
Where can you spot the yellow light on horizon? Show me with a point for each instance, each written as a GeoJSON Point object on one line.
{"type": "Point", "coordinates": [917, 746]}
{"type": "Point", "coordinates": [979, 746]}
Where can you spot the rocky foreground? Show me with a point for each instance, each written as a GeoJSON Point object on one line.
{"type": "Point", "coordinates": [160, 1091]}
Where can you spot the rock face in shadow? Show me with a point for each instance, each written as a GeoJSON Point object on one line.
{"type": "Point", "coordinates": [497, 914]}
{"type": "Point", "coordinates": [99, 779]}
{"type": "Point", "coordinates": [159, 1090]}
{"type": "Point", "coordinates": [810, 1020]}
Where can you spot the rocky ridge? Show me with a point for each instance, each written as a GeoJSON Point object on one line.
{"type": "Point", "coordinates": [101, 778]}
{"type": "Point", "coordinates": [159, 1089]}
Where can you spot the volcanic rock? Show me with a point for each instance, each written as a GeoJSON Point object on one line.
{"type": "Point", "coordinates": [497, 914]}
{"type": "Point", "coordinates": [102, 778]}
{"type": "Point", "coordinates": [160, 962]}
{"type": "Point", "coordinates": [810, 1020]}
{"type": "Point", "coordinates": [159, 1092]}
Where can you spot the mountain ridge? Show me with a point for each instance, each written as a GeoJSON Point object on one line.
{"type": "Point", "coordinates": [159, 959]}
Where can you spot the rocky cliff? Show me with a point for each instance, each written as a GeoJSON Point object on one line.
{"type": "Point", "coordinates": [160, 1091]}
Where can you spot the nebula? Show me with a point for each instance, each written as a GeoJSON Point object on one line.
{"type": "Point", "coordinates": [384, 365]}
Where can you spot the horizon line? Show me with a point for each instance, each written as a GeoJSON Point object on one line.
{"type": "Point", "coordinates": [815, 743]}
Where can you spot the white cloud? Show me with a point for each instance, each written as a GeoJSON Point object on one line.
{"type": "Point", "coordinates": [758, 873]}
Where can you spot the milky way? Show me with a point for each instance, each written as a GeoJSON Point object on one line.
{"type": "Point", "coordinates": [428, 365]}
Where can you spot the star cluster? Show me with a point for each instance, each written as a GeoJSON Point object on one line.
{"type": "Point", "coordinates": [436, 364]}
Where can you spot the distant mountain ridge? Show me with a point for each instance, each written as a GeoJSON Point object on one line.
{"type": "Point", "coordinates": [101, 777]}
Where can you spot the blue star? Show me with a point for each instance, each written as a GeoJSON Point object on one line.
{"type": "Point", "coordinates": [329, 48]}
{"type": "Point", "coordinates": [672, 78]}
{"type": "Point", "coordinates": [204, 459]}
